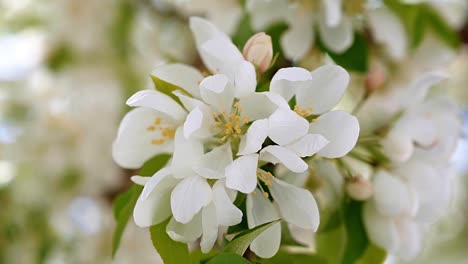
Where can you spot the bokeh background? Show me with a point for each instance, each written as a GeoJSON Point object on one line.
{"type": "Point", "coordinates": [66, 69]}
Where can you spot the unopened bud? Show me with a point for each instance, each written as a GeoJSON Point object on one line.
{"type": "Point", "coordinates": [375, 79]}
{"type": "Point", "coordinates": [259, 51]}
{"type": "Point", "coordinates": [359, 189]}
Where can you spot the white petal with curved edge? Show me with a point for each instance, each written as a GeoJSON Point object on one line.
{"type": "Point", "coordinates": [159, 102]}
{"type": "Point", "coordinates": [226, 212]}
{"type": "Point", "coordinates": [193, 122]}
{"type": "Point", "coordinates": [189, 197]}
{"type": "Point", "coordinates": [156, 207]}
{"type": "Point", "coordinates": [380, 229]}
{"type": "Point", "coordinates": [308, 145]}
{"type": "Point", "coordinates": [154, 181]}
{"type": "Point", "coordinates": [266, 13]}
{"type": "Point", "coordinates": [187, 153]}
{"type": "Point", "coordinates": [286, 81]}
{"type": "Point", "coordinates": [418, 89]}
{"type": "Point", "coordinates": [254, 138]}
{"type": "Point", "coordinates": [297, 205]}
{"type": "Point", "coordinates": [398, 145]}
{"type": "Point", "coordinates": [185, 233]}
{"type": "Point", "coordinates": [213, 163]}
{"type": "Point", "coordinates": [220, 55]}
{"type": "Point", "coordinates": [188, 102]}
{"type": "Point", "coordinates": [210, 228]}
{"type": "Point", "coordinates": [204, 30]}
{"type": "Point", "coordinates": [299, 38]}
{"type": "Point", "coordinates": [140, 180]}
{"type": "Point", "coordinates": [340, 128]}
{"type": "Point", "coordinates": [326, 89]}
{"type": "Point", "coordinates": [333, 12]}
{"type": "Point", "coordinates": [261, 105]}
{"type": "Point", "coordinates": [388, 30]}
{"type": "Point", "coordinates": [391, 195]}
{"type": "Point", "coordinates": [245, 79]}
{"type": "Point", "coordinates": [410, 240]}
{"type": "Point", "coordinates": [279, 154]}
{"type": "Point", "coordinates": [133, 145]}
{"type": "Point", "coordinates": [241, 174]}
{"type": "Point", "coordinates": [182, 75]}
{"type": "Point", "coordinates": [337, 38]}
{"type": "Point", "coordinates": [217, 91]}
{"type": "Point", "coordinates": [285, 126]}
{"type": "Point", "coordinates": [260, 211]}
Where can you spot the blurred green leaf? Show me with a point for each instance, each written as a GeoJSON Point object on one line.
{"type": "Point", "coordinates": [123, 208]}
{"type": "Point", "coordinates": [287, 257]}
{"type": "Point", "coordinates": [244, 32]}
{"type": "Point", "coordinates": [154, 165]}
{"type": "Point", "coordinates": [355, 58]}
{"type": "Point", "coordinates": [167, 88]}
{"type": "Point", "coordinates": [241, 242]}
{"type": "Point", "coordinates": [440, 27]}
{"type": "Point", "coordinates": [171, 252]}
{"type": "Point", "coordinates": [356, 237]}
{"type": "Point", "coordinates": [373, 255]}
{"type": "Point", "coordinates": [331, 244]}
{"type": "Point", "coordinates": [227, 258]}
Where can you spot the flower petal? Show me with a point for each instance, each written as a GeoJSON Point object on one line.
{"type": "Point", "coordinates": [340, 128]}
{"type": "Point", "coordinates": [391, 195]}
{"type": "Point", "coordinates": [266, 13]}
{"type": "Point", "coordinates": [278, 154]}
{"type": "Point", "coordinates": [245, 79]}
{"type": "Point", "coordinates": [254, 138]}
{"type": "Point", "coordinates": [337, 38]}
{"type": "Point", "coordinates": [333, 12]}
{"type": "Point", "coordinates": [210, 228]}
{"type": "Point", "coordinates": [299, 38]}
{"type": "Point", "coordinates": [217, 91]}
{"type": "Point", "coordinates": [189, 197]}
{"type": "Point", "coordinates": [241, 174]}
{"type": "Point", "coordinates": [297, 205]}
{"type": "Point", "coordinates": [260, 211]}
{"type": "Point", "coordinates": [204, 30]}
{"type": "Point", "coordinates": [220, 55]}
{"type": "Point", "coordinates": [140, 180]}
{"type": "Point", "coordinates": [261, 105]}
{"type": "Point", "coordinates": [213, 164]}
{"type": "Point", "coordinates": [410, 240]}
{"type": "Point", "coordinates": [226, 212]}
{"type": "Point", "coordinates": [185, 233]}
{"type": "Point", "coordinates": [308, 145]}
{"type": "Point", "coordinates": [286, 126]}
{"type": "Point", "coordinates": [286, 81]}
{"type": "Point", "coordinates": [133, 145]}
{"type": "Point", "coordinates": [328, 85]}
{"type": "Point", "coordinates": [182, 75]}
{"type": "Point", "coordinates": [187, 154]}
{"type": "Point", "coordinates": [155, 208]}
{"type": "Point", "coordinates": [154, 181]}
{"type": "Point", "coordinates": [188, 102]}
{"type": "Point", "coordinates": [380, 229]}
{"type": "Point", "coordinates": [159, 102]}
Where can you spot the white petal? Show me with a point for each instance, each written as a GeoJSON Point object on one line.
{"type": "Point", "coordinates": [254, 138]}
{"type": "Point", "coordinates": [261, 105]}
{"type": "Point", "coordinates": [333, 12]}
{"type": "Point", "coordinates": [410, 240]}
{"type": "Point", "coordinates": [140, 180]}
{"type": "Point", "coordinates": [392, 196]}
{"type": "Point", "coordinates": [159, 102]}
{"type": "Point", "coordinates": [189, 197]}
{"type": "Point", "coordinates": [187, 154]}
{"type": "Point", "coordinates": [337, 38]}
{"type": "Point", "coordinates": [398, 145]}
{"type": "Point", "coordinates": [241, 174]}
{"type": "Point", "coordinates": [297, 205]}
{"type": "Point", "coordinates": [418, 89]}
{"type": "Point", "coordinates": [259, 211]}
{"type": "Point", "coordinates": [217, 91]}
{"type": "Point", "coordinates": [266, 13]}
{"type": "Point", "coordinates": [154, 181]}
{"type": "Point", "coordinates": [193, 122]}
{"type": "Point", "coordinates": [133, 145]}
{"type": "Point", "coordinates": [340, 128]}
{"type": "Point", "coordinates": [308, 145]}
{"type": "Point", "coordinates": [380, 229]}
{"type": "Point", "coordinates": [181, 75]}
{"type": "Point", "coordinates": [388, 30]}
{"type": "Point", "coordinates": [245, 79]}
{"type": "Point", "coordinates": [204, 30]}
{"type": "Point", "coordinates": [328, 85]}
{"type": "Point", "coordinates": [299, 38]}
{"type": "Point", "coordinates": [156, 207]}
{"type": "Point", "coordinates": [210, 228]}
{"type": "Point", "coordinates": [286, 81]}
{"type": "Point", "coordinates": [188, 102]}
{"type": "Point", "coordinates": [213, 163]}
{"type": "Point", "coordinates": [279, 154]}
{"type": "Point", "coordinates": [185, 233]}
{"type": "Point", "coordinates": [227, 214]}
{"type": "Point", "coordinates": [286, 126]}
{"type": "Point", "coordinates": [220, 55]}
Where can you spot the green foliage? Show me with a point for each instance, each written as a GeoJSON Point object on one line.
{"type": "Point", "coordinates": [353, 59]}
{"type": "Point", "coordinates": [123, 208]}
{"type": "Point", "coordinates": [60, 57]}
{"type": "Point", "coordinates": [241, 242]}
{"type": "Point", "coordinates": [154, 165]}
{"type": "Point", "coordinates": [356, 242]}
{"type": "Point", "coordinates": [286, 237]}
{"type": "Point", "coordinates": [167, 88]}
{"type": "Point", "coordinates": [244, 31]}
{"type": "Point", "coordinates": [419, 18]}
{"type": "Point", "coordinates": [291, 258]}
{"type": "Point", "coordinates": [171, 252]}
{"type": "Point", "coordinates": [373, 255]}
{"type": "Point", "coordinates": [227, 258]}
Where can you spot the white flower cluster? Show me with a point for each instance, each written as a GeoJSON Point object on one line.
{"type": "Point", "coordinates": [223, 134]}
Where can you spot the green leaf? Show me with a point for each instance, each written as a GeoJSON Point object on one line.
{"type": "Point", "coordinates": [331, 244]}
{"type": "Point", "coordinates": [373, 255]}
{"type": "Point", "coordinates": [171, 252]}
{"type": "Point", "coordinates": [357, 241]}
{"type": "Point", "coordinates": [241, 242]}
{"type": "Point", "coordinates": [244, 32]}
{"type": "Point", "coordinates": [167, 88]}
{"type": "Point", "coordinates": [276, 31]}
{"type": "Point", "coordinates": [123, 208]}
{"type": "Point", "coordinates": [355, 58]}
{"type": "Point", "coordinates": [154, 165]}
{"type": "Point", "coordinates": [287, 257]}
{"type": "Point", "coordinates": [227, 258]}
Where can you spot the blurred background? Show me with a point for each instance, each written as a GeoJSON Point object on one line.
{"type": "Point", "coordinates": [66, 69]}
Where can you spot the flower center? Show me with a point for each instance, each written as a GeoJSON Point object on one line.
{"type": "Point", "coordinates": [166, 131]}
{"type": "Point", "coordinates": [304, 112]}
{"type": "Point", "coordinates": [230, 126]}
{"type": "Point", "coordinates": [264, 177]}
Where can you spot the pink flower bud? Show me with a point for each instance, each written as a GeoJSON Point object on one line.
{"type": "Point", "coordinates": [375, 79]}
{"type": "Point", "coordinates": [359, 189]}
{"type": "Point", "coordinates": [259, 51]}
